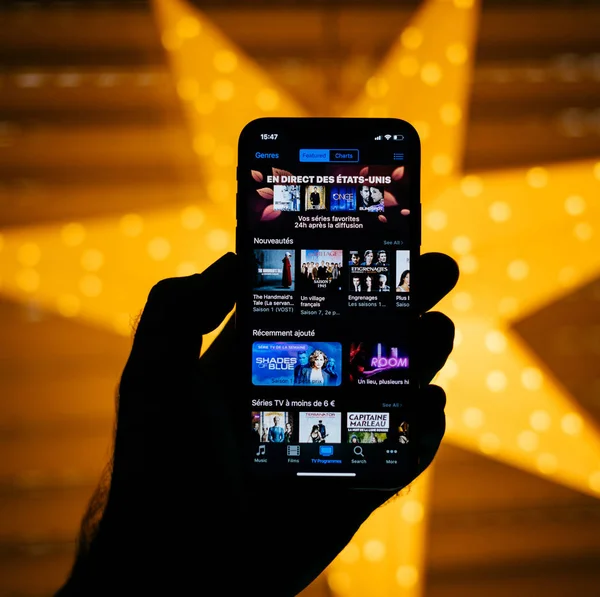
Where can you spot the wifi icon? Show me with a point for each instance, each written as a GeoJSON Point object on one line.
{"type": "Point", "coordinates": [387, 137]}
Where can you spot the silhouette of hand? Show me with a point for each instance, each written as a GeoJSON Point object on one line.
{"type": "Point", "coordinates": [180, 516]}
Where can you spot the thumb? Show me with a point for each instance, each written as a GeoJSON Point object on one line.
{"type": "Point", "coordinates": [180, 310]}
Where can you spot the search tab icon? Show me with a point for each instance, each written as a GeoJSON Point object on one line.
{"type": "Point", "coordinates": [358, 451]}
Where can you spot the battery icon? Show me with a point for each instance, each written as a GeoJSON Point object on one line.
{"type": "Point", "coordinates": [398, 137]}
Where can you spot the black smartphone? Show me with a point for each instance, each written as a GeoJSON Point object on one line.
{"type": "Point", "coordinates": [328, 236]}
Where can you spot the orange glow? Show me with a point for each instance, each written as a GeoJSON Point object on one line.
{"type": "Point", "coordinates": [523, 238]}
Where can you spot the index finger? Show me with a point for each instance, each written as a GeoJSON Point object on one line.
{"type": "Point", "coordinates": [438, 274]}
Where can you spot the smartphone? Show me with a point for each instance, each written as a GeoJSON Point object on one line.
{"type": "Point", "coordinates": [328, 239]}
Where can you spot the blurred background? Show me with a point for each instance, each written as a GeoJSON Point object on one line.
{"type": "Point", "coordinates": [103, 191]}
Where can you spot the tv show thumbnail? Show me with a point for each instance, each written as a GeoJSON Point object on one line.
{"type": "Point", "coordinates": [403, 271]}
{"type": "Point", "coordinates": [377, 363]}
{"type": "Point", "coordinates": [403, 433]}
{"type": "Point", "coordinates": [370, 271]}
{"type": "Point", "coordinates": [274, 269]}
{"type": "Point", "coordinates": [321, 269]}
{"type": "Point", "coordinates": [296, 363]}
{"type": "Point", "coordinates": [342, 198]}
{"type": "Point", "coordinates": [314, 197]}
{"type": "Point", "coordinates": [286, 197]}
{"type": "Point", "coordinates": [367, 428]}
{"type": "Point", "coordinates": [274, 427]}
{"type": "Point", "coordinates": [320, 428]}
{"type": "Point", "coordinates": [366, 437]}
{"type": "Point", "coordinates": [363, 422]}
{"type": "Point", "coordinates": [370, 198]}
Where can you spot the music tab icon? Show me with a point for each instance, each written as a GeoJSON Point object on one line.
{"type": "Point", "coordinates": [261, 450]}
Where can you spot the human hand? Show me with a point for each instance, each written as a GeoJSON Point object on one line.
{"type": "Point", "coordinates": [181, 516]}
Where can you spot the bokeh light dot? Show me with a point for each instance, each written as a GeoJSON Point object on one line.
{"type": "Point", "coordinates": [339, 582]}
{"type": "Point", "coordinates": [188, 27]}
{"type": "Point", "coordinates": [532, 378]}
{"type": "Point", "coordinates": [583, 231]}
{"type": "Point", "coordinates": [528, 440]}
{"type": "Point", "coordinates": [496, 381]}
{"type": "Point", "coordinates": [574, 205]}
{"type": "Point", "coordinates": [219, 190]}
{"type": "Point", "coordinates": [500, 211]}
{"type": "Point", "coordinates": [223, 89]}
{"type": "Point", "coordinates": [192, 217]}
{"type": "Point", "coordinates": [186, 268]}
{"type": "Point", "coordinates": [518, 269]}
{"type": "Point", "coordinates": [436, 219]}
{"type": "Point", "coordinates": [450, 369]}
{"type": "Point", "coordinates": [68, 305]}
{"type": "Point", "coordinates": [122, 324]}
{"type": "Point", "coordinates": [468, 264]}
{"type": "Point", "coordinates": [131, 225]}
{"type": "Point", "coordinates": [204, 144]}
{"type": "Point", "coordinates": [458, 336]}
{"type": "Point", "coordinates": [407, 576]}
{"type": "Point", "coordinates": [377, 87]}
{"type": "Point", "coordinates": [225, 61]}
{"type": "Point", "coordinates": [411, 38]}
{"type": "Point", "coordinates": [72, 234]}
{"type": "Point", "coordinates": [431, 73]}
{"type": "Point", "coordinates": [374, 550]}
{"type": "Point", "coordinates": [442, 164]}
{"type": "Point", "coordinates": [571, 424]}
{"type": "Point", "coordinates": [90, 285]}
{"type": "Point", "coordinates": [412, 511]}
{"type": "Point", "coordinates": [594, 481]}
{"type": "Point", "coordinates": [537, 177]}
{"type": "Point", "coordinates": [188, 89]}
{"type": "Point", "coordinates": [267, 99]}
{"type": "Point", "coordinates": [408, 66]}
{"type": "Point", "coordinates": [457, 53]}
{"type": "Point", "coordinates": [471, 185]}
{"type": "Point", "coordinates": [462, 301]}
{"type": "Point", "coordinates": [473, 417]}
{"type": "Point", "coordinates": [423, 128]}
{"type": "Point", "coordinates": [540, 420]}
{"type": "Point", "coordinates": [218, 239]}
{"type": "Point", "coordinates": [567, 276]}
{"type": "Point", "coordinates": [489, 443]}
{"type": "Point", "coordinates": [495, 341]}
{"type": "Point", "coordinates": [450, 114]}
{"type": "Point", "coordinates": [28, 280]}
{"type": "Point", "coordinates": [204, 103]}
{"type": "Point", "coordinates": [170, 41]}
{"type": "Point", "coordinates": [547, 463]}
{"type": "Point", "coordinates": [461, 244]}
{"type": "Point", "coordinates": [92, 260]}
{"type": "Point", "coordinates": [29, 254]}
{"type": "Point", "coordinates": [378, 111]}
{"type": "Point", "coordinates": [159, 248]}
{"type": "Point", "coordinates": [224, 155]}
{"type": "Point", "coordinates": [350, 554]}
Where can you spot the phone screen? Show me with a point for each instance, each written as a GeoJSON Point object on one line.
{"type": "Point", "coordinates": [328, 234]}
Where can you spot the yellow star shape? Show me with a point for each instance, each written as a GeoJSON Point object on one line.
{"type": "Point", "coordinates": [522, 237]}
